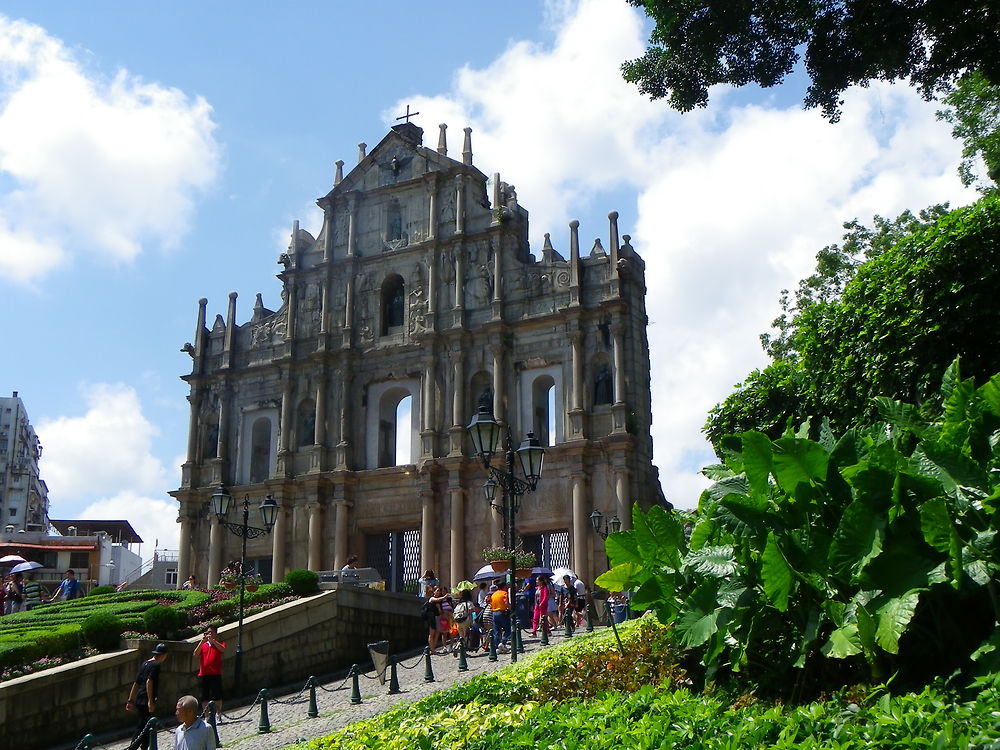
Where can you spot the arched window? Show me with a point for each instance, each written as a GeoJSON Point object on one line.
{"type": "Point", "coordinates": [604, 384]}
{"type": "Point", "coordinates": [305, 421]}
{"type": "Point", "coordinates": [394, 428]}
{"type": "Point", "coordinates": [260, 450]}
{"type": "Point", "coordinates": [393, 303]}
{"type": "Point", "coordinates": [543, 390]}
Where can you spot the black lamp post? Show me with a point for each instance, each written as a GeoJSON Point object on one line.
{"type": "Point", "coordinates": [486, 434]}
{"type": "Point", "coordinates": [604, 527]}
{"type": "Point", "coordinates": [222, 502]}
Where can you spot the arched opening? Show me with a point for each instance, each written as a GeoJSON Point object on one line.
{"type": "Point", "coordinates": [543, 408]}
{"type": "Point", "coordinates": [603, 384]}
{"type": "Point", "coordinates": [394, 428]}
{"type": "Point", "coordinates": [260, 450]}
{"type": "Point", "coordinates": [393, 303]}
{"type": "Point", "coordinates": [305, 423]}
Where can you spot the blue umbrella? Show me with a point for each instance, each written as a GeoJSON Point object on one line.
{"type": "Point", "coordinates": [542, 571]}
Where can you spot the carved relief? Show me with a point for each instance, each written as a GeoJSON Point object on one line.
{"type": "Point", "coordinates": [418, 311]}
{"type": "Point", "coordinates": [270, 331]}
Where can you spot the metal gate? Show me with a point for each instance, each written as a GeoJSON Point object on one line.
{"type": "Point", "coordinates": [395, 555]}
{"type": "Point", "coordinates": [550, 548]}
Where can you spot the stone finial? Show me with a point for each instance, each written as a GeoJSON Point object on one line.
{"type": "Point", "coordinates": [598, 249]}
{"type": "Point", "coordinates": [574, 240]}
{"type": "Point", "coordinates": [362, 151]}
{"type": "Point", "coordinates": [443, 139]}
{"type": "Point", "coordinates": [628, 243]}
{"type": "Point", "coordinates": [613, 221]}
{"type": "Point", "coordinates": [293, 245]}
{"type": "Point", "coordinates": [338, 177]}
{"type": "Point", "coordinates": [259, 302]}
{"type": "Point", "coordinates": [549, 253]}
{"type": "Point", "coordinates": [467, 147]}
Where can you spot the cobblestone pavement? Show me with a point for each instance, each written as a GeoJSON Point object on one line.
{"type": "Point", "coordinates": [289, 723]}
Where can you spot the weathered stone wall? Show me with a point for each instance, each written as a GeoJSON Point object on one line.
{"type": "Point", "coordinates": [309, 636]}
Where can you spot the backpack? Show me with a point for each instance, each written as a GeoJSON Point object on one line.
{"type": "Point", "coordinates": [429, 611]}
{"type": "Point", "coordinates": [462, 611]}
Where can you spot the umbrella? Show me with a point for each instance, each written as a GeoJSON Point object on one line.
{"type": "Point", "coordinates": [21, 567]}
{"type": "Point", "coordinates": [486, 573]}
{"type": "Point", "coordinates": [558, 573]}
{"type": "Point", "coordinates": [543, 571]}
{"type": "Point", "coordinates": [11, 559]}
{"type": "Point", "coordinates": [463, 586]}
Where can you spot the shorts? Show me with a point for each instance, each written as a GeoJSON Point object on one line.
{"type": "Point", "coordinates": [211, 687]}
{"type": "Point", "coordinates": [580, 604]}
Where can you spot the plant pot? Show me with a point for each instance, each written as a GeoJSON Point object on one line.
{"type": "Point", "coordinates": [229, 584]}
{"type": "Point", "coordinates": [499, 566]}
{"type": "Point", "coordinates": [524, 572]}
{"type": "Point", "coordinates": [251, 587]}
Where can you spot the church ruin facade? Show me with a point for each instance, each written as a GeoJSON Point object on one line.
{"type": "Point", "coordinates": [418, 300]}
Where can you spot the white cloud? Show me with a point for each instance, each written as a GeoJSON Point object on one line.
{"type": "Point", "coordinates": [154, 520]}
{"type": "Point", "coordinates": [733, 202]}
{"type": "Point", "coordinates": [91, 165]}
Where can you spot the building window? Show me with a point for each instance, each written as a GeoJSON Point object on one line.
{"type": "Point", "coordinates": [170, 577]}
{"type": "Point", "coordinates": [12, 512]}
{"type": "Point", "coordinates": [79, 560]}
{"type": "Point", "coordinates": [551, 548]}
{"type": "Point", "coordinates": [393, 303]}
{"type": "Point", "coordinates": [543, 392]}
{"type": "Point", "coordinates": [306, 423]}
{"type": "Point", "coordinates": [395, 427]}
{"type": "Point", "coordinates": [260, 450]}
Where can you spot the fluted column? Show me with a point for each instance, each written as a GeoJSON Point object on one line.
{"type": "Point", "coordinates": [192, 445]}
{"type": "Point", "coordinates": [624, 511]}
{"type": "Point", "coordinates": [184, 546]}
{"type": "Point", "coordinates": [215, 544]}
{"type": "Point", "coordinates": [278, 544]}
{"type": "Point", "coordinates": [340, 534]}
{"type": "Point", "coordinates": [290, 305]}
{"type": "Point", "coordinates": [426, 529]}
{"type": "Point", "coordinates": [457, 528]}
{"type": "Point", "coordinates": [222, 447]}
{"type": "Point", "coordinates": [459, 205]}
{"type": "Point", "coordinates": [498, 383]}
{"type": "Point", "coordinates": [315, 559]}
{"type": "Point", "coordinates": [576, 337]}
{"type": "Point", "coordinates": [286, 415]}
{"type": "Point", "coordinates": [581, 530]}
{"type": "Point", "coordinates": [319, 433]}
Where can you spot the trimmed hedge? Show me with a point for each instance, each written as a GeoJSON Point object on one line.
{"type": "Point", "coordinates": [103, 630]}
{"type": "Point", "coordinates": [303, 582]}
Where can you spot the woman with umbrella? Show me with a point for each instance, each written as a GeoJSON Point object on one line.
{"type": "Point", "coordinates": [14, 594]}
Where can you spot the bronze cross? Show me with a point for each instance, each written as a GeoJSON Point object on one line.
{"type": "Point", "coordinates": [408, 114]}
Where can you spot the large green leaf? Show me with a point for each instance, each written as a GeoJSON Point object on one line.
{"type": "Point", "coordinates": [698, 618]}
{"type": "Point", "coordinates": [716, 561]}
{"type": "Point", "coordinates": [893, 618]}
{"type": "Point", "coordinates": [936, 525]}
{"type": "Point", "coordinates": [666, 537]}
{"type": "Point", "coordinates": [843, 642]}
{"type": "Point", "coordinates": [797, 461]}
{"type": "Point", "coordinates": [622, 577]}
{"type": "Point", "coordinates": [775, 574]}
{"type": "Point", "coordinates": [956, 472]}
{"type": "Point", "coordinates": [736, 485]}
{"type": "Point", "coordinates": [902, 416]}
{"type": "Point", "coordinates": [757, 461]}
{"type": "Point", "coordinates": [989, 392]}
{"type": "Point", "coordinates": [622, 547]}
{"type": "Point", "coordinates": [702, 533]}
{"type": "Point", "coordinates": [857, 540]}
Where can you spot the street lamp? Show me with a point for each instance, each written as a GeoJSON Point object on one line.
{"type": "Point", "coordinates": [604, 527]}
{"type": "Point", "coordinates": [486, 434]}
{"type": "Point", "coordinates": [222, 503]}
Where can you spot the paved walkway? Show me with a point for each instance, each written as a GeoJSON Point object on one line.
{"type": "Point", "coordinates": [289, 723]}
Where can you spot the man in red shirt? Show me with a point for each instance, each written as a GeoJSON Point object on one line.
{"type": "Point", "coordinates": [209, 653]}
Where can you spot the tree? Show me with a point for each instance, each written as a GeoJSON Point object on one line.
{"type": "Point", "coordinates": [974, 114]}
{"type": "Point", "coordinates": [696, 44]}
{"type": "Point", "coordinates": [924, 294]}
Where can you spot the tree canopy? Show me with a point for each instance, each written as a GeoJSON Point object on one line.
{"type": "Point", "coordinates": [696, 44]}
{"type": "Point", "coordinates": [885, 314]}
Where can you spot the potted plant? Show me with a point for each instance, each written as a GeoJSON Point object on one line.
{"type": "Point", "coordinates": [524, 562]}
{"type": "Point", "coordinates": [252, 582]}
{"type": "Point", "coordinates": [229, 580]}
{"type": "Point", "coordinates": [498, 557]}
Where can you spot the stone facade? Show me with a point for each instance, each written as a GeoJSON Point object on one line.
{"type": "Point", "coordinates": [24, 497]}
{"type": "Point", "coordinates": [420, 289]}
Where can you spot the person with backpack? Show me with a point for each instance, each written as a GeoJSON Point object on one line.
{"type": "Point", "coordinates": [462, 615]}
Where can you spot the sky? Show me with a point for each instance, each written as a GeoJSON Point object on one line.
{"type": "Point", "coordinates": [152, 154]}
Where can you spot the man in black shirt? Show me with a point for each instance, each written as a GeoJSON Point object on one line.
{"type": "Point", "coordinates": [142, 696]}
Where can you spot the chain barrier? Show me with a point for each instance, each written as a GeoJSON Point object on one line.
{"type": "Point", "coordinates": [417, 663]}
{"type": "Point", "coordinates": [227, 717]}
{"type": "Point", "coordinates": [294, 698]}
{"type": "Point", "coordinates": [334, 690]}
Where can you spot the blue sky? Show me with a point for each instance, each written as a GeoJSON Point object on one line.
{"type": "Point", "coordinates": [152, 154]}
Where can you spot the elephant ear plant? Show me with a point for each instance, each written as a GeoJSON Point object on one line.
{"type": "Point", "coordinates": [818, 560]}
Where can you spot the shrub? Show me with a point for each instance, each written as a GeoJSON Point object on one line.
{"type": "Point", "coordinates": [161, 620]}
{"type": "Point", "coordinates": [99, 590]}
{"type": "Point", "coordinates": [302, 581]}
{"type": "Point", "coordinates": [103, 630]}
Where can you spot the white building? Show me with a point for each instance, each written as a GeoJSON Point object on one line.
{"type": "Point", "coordinates": [24, 500]}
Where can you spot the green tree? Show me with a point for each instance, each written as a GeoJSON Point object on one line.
{"type": "Point", "coordinates": [973, 110]}
{"type": "Point", "coordinates": [885, 314]}
{"type": "Point", "coordinates": [696, 44]}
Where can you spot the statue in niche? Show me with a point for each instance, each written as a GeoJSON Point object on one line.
{"type": "Point", "coordinates": [486, 398]}
{"type": "Point", "coordinates": [603, 386]}
{"type": "Point", "coordinates": [447, 266]}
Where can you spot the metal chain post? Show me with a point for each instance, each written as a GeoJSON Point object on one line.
{"type": "Point", "coordinates": [355, 688]}
{"type": "Point", "coordinates": [393, 677]}
{"type": "Point", "coordinates": [265, 723]}
{"type": "Point", "coordinates": [518, 643]}
{"type": "Point", "coordinates": [463, 663]}
{"type": "Point", "coordinates": [493, 646]}
{"type": "Point", "coordinates": [313, 711]}
{"type": "Point", "coordinates": [428, 672]}
{"type": "Point", "coordinates": [212, 722]}
{"type": "Point", "coordinates": [545, 630]}
{"type": "Point", "coordinates": [151, 729]}
{"type": "Point", "coordinates": [590, 622]}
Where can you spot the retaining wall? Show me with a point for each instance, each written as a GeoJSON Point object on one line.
{"type": "Point", "coordinates": [316, 635]}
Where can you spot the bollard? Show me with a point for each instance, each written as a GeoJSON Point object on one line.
{"type": "Point", "coordinates": [463, 663]}
{"type": "Point", "coordinates": [519, 639]}
{"type": "Point", "coordinates": [152, 727]}
{"type": "Point", "coordinates": [493, 647]}
{"type": "Point", "coordinates": [313, 710]}
{"type": "Point", "coordinates": [590, 622]}
{"type": "Point", "coordinates": [393, 677]}
{"type": "Point", "coordinates": [87, 743]}
{"type": "Point", "coordinates": [545, 630]}
{"type": "Point", "coordinates": [212, 722]}
{"type": "Point", "coordinates": [355, 688]}
{"type": "Point", "coordinates": [265, 723]}
{"type": "Point", "coordinates": [428, 672]}
{"type": "Point", "coordinates": [568, 622]}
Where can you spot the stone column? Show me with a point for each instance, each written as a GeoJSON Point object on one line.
{"type": "Point", "coordinates": [624, 509]}
{"type": "Point", "coordinates": [229, 339]}
{"type": "Point", "coordinates": [614, 250]}
{"type": "Point", "coordinates": [319, 434]}
{"type": "Point", "coordinates": [278, 544]}
{"type": "Point", "coordinates": [222, 448]}
{"type": "Point", "coordinates": [498, 382]}
{"type": "Point", "coordinates": [184, 548]}
{"type": "Point", "coordinates": [426, 529]}
{"type": "Point", "coordinates": [456, 433]}
{"type": "Point", "coordinates": [340, 552]}
{"type": "Point", "coordinates": [199, 332]}
{"type": "Point", "coordinates": [457, 533]}
{"type": "Point", "coordinates": [432, 216]}
{"type": "Point", "coordinates": [618, 409]}
{"type": "Point", "coordinates": [459, 205]}
{"type": "Point", "coordinates": [352, 234]}
{"type": "Point", "coordinates": [192, 446]}
{"type": "Point", "coordinates": [349, 302]}
{"type": "Point", "coordinates": [581, 530]}
{"type": "Point", "coordinates": [286, 415]}
{"type": "Point", "coordinates": [215, 544]}
{"type": "Point", "coordinates": [459, 277]}
{"type": "Point", "coordinates": [576, 338]}
{"type": "Point", "coordinates": [315, 561]}
{"type": "Point", "coordinates": [290, 304]}
{"type": "Point", "coordinates": [574, 263]}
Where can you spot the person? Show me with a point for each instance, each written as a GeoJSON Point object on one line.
{"type": "Point", "coordinates": [142, 696]}
{"type": "Point", "coordinates": [190, 584]}
{"type": "Point", "coordinates": [500, 607]}
{"type": "Point", "coordinates": [68, 588]}
{"type": "Point", "coordinates": [579, 600]}
{"type": "Point", "coordinates": [33, 592]}
{"type": "Point", "coordinates": [15, 594]}
{"type": "Point", "coordinates": [541, 609]}
{"type": "Point", "coordinates": [426, 584]}
{"type": "Point", "coordinates": [209, 652]}
{"type": "Point", "coordinates": [430, 613]}
{"type": "Point", "coordinates": [442, 630]}
{"type": "Point", "coordinates": [482, 594]}
{"type": "Point", "coordinates": [192, 733]}
{"type": "Point", "coordinates": [3, 595]}
{"type": "Point", "coordinates": [352, 563]}
{"type": "Point", "coordinates": [462, 614]}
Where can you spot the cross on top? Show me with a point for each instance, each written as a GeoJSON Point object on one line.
{"type": "Point", "coordinates": [408, 114]}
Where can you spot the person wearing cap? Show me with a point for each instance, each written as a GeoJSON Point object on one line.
{"type": "Point", "coordinates": [142, 696]}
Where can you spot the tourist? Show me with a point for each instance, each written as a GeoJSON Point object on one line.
{"type": "Point", "coordinates": [142, 696]}
{"type": "Point", "coordinates": [426, 584]}
{"type": "Point", "coordinates": [192, 732]}
{"type": "Point", "coordinates": [430, 612]}
{"type": "Point", "coordinates": [445, 606]}
{"type": "Point", "coordinates": [541, 608]}
{"type": "Point", "coordinates": [482, 595]}
{"type": "Point", "coordinates": [190, 584]}
{"type": "Point", "coordinates": [209, 652]}
{"type": "Point", "coordinates": [462, 614]}
{"type": "Point", "coordinates": [579, 600]}
{"type": "Point", "coordinates": [500, 607]}
{"type": "Point", "coordinates": [33, 592]}
{"type": "Point", "coordinates": [68, 588]}
{"type": "Point", "coordinates": [352, 563]}
{"type": "Point", "coordinates": [14, 591]}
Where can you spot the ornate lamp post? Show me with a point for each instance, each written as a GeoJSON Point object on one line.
{"type": "Point", "coordinates": [486, 434]}
{"type": "Point", "coordinates": [222, 502]}
{"type": "Point", "coordinates": [604, 528]}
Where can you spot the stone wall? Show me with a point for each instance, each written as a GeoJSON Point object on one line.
{"type": "Point", "coordinates": [316, 635]}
